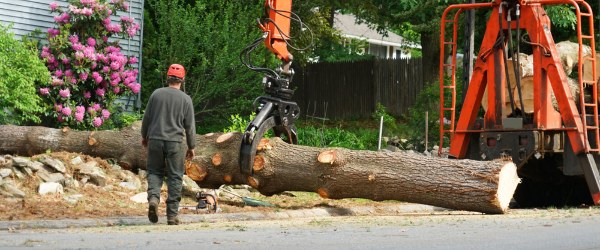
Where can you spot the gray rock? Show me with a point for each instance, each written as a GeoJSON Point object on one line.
{"type": "Point", "coordinates": [76, 161]}
{"type": "Point", "coordinates": [36, 166]}
{"type": "Point", "coordinates": [11, 191]}
{"type": "Point", "coordinates": [54, 164]}
{"type": "Point", "coordinates": [140, 198]}
{"type": "Point", "coordinates": [95, 173]}
{"type": "Point", "coordinates": [71, 183]}
{"type": "Point", "coordinates": [21, 161]}
{"type": "Point", "coordinates": [4, 172]}
{"type": "Point", "coordinates": [392, 148]}
{"type": "Point", "coordinates": [27, 171]}
{"type": "Point", "coordinates": [73, 199]}
{"type": "Point", "coordinates": [51, 177]}
{"type": "Point", "coordinates": [50, 188]}
{"type": "Point", "coordinates": [116, 167]}
{"type": "Point", "coordinates": [129, 185]}
{"type": "Point", "coordinates": [20, 175]}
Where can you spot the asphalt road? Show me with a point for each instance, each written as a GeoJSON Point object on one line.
{"type": "Point", "coordinates": [521, 229]}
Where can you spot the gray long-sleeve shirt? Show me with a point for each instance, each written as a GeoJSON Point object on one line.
{"type": "Point", "coordinates": [168, 115]}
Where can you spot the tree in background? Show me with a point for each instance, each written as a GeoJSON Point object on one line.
{"type": "Point", "coordinates": [207, 37]}
{"type": "Point", "coordinates": [20, 70]}
{"type": "Point", "coordinates": [88, 71]}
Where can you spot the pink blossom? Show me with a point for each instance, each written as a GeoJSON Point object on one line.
{"type": "Point", "coordinates": [115, 65]}
{"type": "Point", "coordinates": [65, 61]}
{"type": "Point", "coordinates": [87, 95]}
{"type": "Point", "coordinates": [44, 91]}
{"type": "Point", "coordinates": [105, 69]}
{"type": "Point", "coordinates": [90, 53]}
{"type": "Point", "coordinates": [115, 82]}
{"type": "Point", "coordinates": [51, 59]}
{"type": "Point", "coordinates": [94, 65]}
{"type": "Point", "coordinates": [126, 19]}
{"type": "Point", "coordinates": [106, 21]}
{"type": "Point", "coordinates": [91, 41]}
{"type": "Point", "coordinates": [100, 92]}
{"type": "Point", "coordinates": [97, 122]}
{"type": "Point", "coordinates": [64, 18]}
{"type": "Point", "coordinates": [125, 6]}
{"type": "Point", "coordinates": [73, 80]}
{"type": "Point", "coordinates": [96, 107]}
{"type": "Point", "coordinates": [114, 75]}
{"type": "Point", "coordinates": [98, 79]}
{"type": "Point", "coordinates": [77, 46]}
{"type": "Point", "coordinates": [83, 76]}
{"type": "Point", "coordinates": [87, 2]}
{"type": "Point", "coordinates": [79, 116]}
{"type": "Point", "coordinates": [105, 114]}
{"type": "Point", "coordinates": [66, 111]}
{"type": "Point", "coordinates": [64, 93]}
{"type": "Point", "coordinates": [58, 107]}
{"type": "Point", "coordinates": [59, 118]}
{"type": "Point", "coordinates": [45, 54]}
{"type": "Point", "coordinates": [114, 28]}
{"type": "Point", "coordinates": [90, 110]}
{"type": "Point", "coordinates": [135, 88]}
{"type": "Point", "coordinates": [109, 12]}
{"type": "Point", "coordinates": [116, 90]}
{"type": "Point", "coordinates": [131, 30]}
{"type": "Point", "coordinates": [79, 55]}
{"type": "Point", "coordinates": [133, 60]}
{"type": "Point", "coordinates": [73, 39]}
{"type": "Point", "coordinates": [105, 38]}
{"type": "Point", "coordinates": [56, 81]}
{"type": "Point", "coordinates": [52, 32]}
{"type": "Point", "coordinates": [80, 109]}
{"type": "Point", "coordinates": [68, 72]}
{"type": "Point", "coordinates": [58, 73]}
{"type": "Point", "coordinates": [87, 11]}
{"type": "Point", "coordinates": [53, 6]}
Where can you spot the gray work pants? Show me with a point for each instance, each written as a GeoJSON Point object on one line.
{"type": "Point", "coordinates": [166, 158]}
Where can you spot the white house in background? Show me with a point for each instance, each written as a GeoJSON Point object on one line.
{"type": "Point", "coordinates": [390, 46]}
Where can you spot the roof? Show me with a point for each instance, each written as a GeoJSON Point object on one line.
{"type": "Point", "coordinates": [348, 26]}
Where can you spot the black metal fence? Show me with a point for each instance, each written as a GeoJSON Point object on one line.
{"type": "Point", "coordinates": [352, 89]}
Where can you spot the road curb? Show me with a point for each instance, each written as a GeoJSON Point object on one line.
{"type": "Point", "coordinates": [220, 217]}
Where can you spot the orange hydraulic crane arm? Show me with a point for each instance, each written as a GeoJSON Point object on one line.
{"type": "Point", "coordinates": [276, 25]}
{"type": "Point", "coordinates": [274, 111]}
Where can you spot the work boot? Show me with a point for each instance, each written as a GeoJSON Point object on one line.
{"type": "Point", "coordinates": [172, 220]}
{"type": "Point", "coordinates": [153, 210]}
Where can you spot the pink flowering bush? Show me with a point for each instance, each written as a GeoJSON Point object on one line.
{"type": "Point", "coordinates": [88, 71]}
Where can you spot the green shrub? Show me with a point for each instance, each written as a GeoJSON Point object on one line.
{"type": "Point", "coordinates": [361, 139]}
{"type": "Point", "coordinates": [238, 123]}
{"type": "Point", "coordinates": [20, 70]}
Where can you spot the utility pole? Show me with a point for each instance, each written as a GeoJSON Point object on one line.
{"type": "Point", "coordinates": [468, 49]}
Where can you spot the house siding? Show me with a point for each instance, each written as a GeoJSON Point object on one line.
{"type": "Point", "coordinates": [28, 15]}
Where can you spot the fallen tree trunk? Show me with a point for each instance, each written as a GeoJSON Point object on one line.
{"type": "Point", "coordinates": [333, 172]}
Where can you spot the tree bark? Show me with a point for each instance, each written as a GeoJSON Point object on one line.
{"type": "Point", "coordinates": [334, 173]}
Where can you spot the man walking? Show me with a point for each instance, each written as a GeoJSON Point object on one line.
{"type": "Point", "coordinates": [169, 114]}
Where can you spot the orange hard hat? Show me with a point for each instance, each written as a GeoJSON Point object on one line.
{"type": "Point", "coordinates": [176, 70]}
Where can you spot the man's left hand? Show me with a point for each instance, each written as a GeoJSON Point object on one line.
{"type": "Point", "coordinates": [190, 154]}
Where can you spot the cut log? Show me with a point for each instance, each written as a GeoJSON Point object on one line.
{"type": "Point", "coordinates": [336, 173]}
{"type": "Point", "coordinates": [569, 57]}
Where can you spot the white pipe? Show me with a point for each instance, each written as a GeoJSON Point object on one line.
{"type": "Point", "coordinates": [380, 131]}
